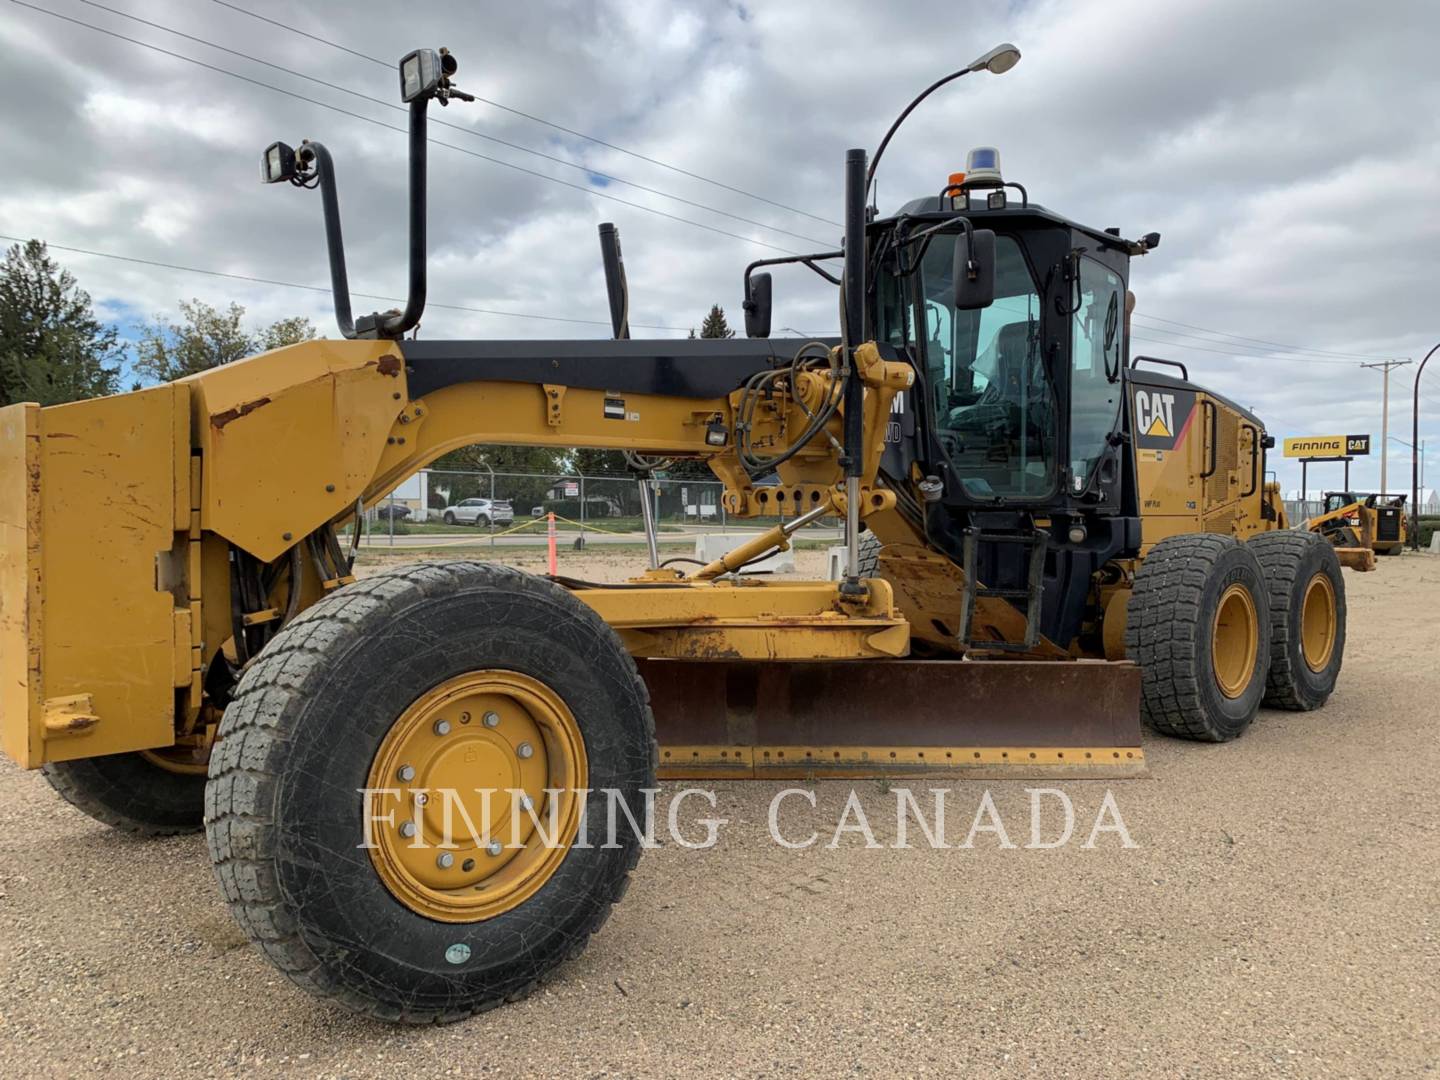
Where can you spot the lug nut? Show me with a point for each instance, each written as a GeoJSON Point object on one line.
{"type": "Point", "coordinates": [442, 727]}
{"type": "Point", "coordinates": [421, 798]}
{"type": "Point", "coordinates": [407, 829]}
{"type": "Point", "coordinates": [525, 750]}
{"type": "Point", "coordinates": [526, 803]}
{"type": "Point", "coordinates": [494, 847]}
{"type": "Point", "coordinates": [407, 773]}
{"type": "Point", "coordinates": [492, 719]}
{"type": "Point", "coordinates": [445, 860]}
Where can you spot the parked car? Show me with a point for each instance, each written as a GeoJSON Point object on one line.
{"type": "Point", "coordinates": [479, 512]}
{"type": "Point", "coordinates": [392, 512]}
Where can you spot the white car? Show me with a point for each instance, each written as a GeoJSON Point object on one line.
{"type": "Point", "coordinates": [479, 512]}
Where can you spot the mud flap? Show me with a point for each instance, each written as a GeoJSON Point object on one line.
{"type": "Point", "coordinates": [858, 718]}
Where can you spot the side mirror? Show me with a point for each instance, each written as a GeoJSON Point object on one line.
{"type": "Point", "coordinates": [757, 306]}
{"type": "Point", "coordinates": [974, 270]}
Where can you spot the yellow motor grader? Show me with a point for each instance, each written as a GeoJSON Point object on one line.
{"type": "Point", "coordinates": [1046, 543]}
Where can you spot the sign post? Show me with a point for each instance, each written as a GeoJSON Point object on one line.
{"type": "Point", "coordinates": [1313, 448]}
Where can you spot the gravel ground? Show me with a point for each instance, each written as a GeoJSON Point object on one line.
{"type": "Point", "coordinates": [1279, 916]}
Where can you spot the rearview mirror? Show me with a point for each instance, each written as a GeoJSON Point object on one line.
{"type": "Point", "coordinates": [757, 306]}
{"type": "Point", "coordinates": [974, 270]}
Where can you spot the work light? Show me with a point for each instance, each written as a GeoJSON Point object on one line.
{"type": "Point", "coordinates": [420, 74]}
{"type": "Point", "coordinates": [277, 163]}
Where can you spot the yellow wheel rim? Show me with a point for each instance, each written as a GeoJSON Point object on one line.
{"type": "Point", "coordinates": [188, 757]}
{"type": "Point", "coordinates": [1234, 640]}
{"type": "Point", "coordinates": [445, 848]}
{"type": "Point", "coordinates": [1318, 623]}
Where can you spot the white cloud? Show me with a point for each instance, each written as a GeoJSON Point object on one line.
{"type": "Point", "coordinates": [1289, 154]}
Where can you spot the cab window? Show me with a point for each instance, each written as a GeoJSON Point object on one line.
{"type": "Point", "coordinates": [1096, 351]}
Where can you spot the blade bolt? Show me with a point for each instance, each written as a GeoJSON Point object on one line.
{"type": "Point", "coordinates": [445, 860]}
{"type": "Point", "coordinates": [492, 719]}
{"type": "Point", "coordinates": [525, 750]}
{"type": "Point", "coordinates": [407, 829]}
{"type": "Point", "coordinates": [407, 773]}
{"type": "Point", "coordinates": [442, 727]}
{"type": "Point", "coordinates": [494, 847]}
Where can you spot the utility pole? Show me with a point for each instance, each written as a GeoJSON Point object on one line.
{"type": "Point", "coordinates": [1385, 367]}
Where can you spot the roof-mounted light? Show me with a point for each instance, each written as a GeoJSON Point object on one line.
{"type": "Point", "coordinates": [982, 167]}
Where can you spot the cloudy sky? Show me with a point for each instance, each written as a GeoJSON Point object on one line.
{"type": "Point", "coordinates": [1289, 153]}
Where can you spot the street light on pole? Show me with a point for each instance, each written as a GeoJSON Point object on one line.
{"type": "Point", "coordinates": [997, 61]}
{"type": "Point", "coordinates": [1414, 442]}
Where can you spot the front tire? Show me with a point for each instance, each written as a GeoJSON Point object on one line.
{"type": "Point", "coordinates": [403, 673]}
{"type": "Point", "coordinates": [449, 518]}
{"type": "Point", "coordinates": [144, 793]}
{"type": "Point", "coordinates": [1307, 617]}
{"type": "Point", "coordinates": [1198, 627]}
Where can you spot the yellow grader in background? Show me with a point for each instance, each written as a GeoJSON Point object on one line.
{"type": "Point", "coordinates": [1046, 544]}
{"type": "Point", "coordinates": [1362, 525]}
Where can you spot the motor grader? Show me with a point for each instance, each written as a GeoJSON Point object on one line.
{"type": "Point", "coordinates": [1047, 541]}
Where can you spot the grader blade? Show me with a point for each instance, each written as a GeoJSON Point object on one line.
{"type": "Point", "coordinates": [861, 718]}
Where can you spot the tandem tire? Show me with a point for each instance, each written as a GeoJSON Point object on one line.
{"type": "Point", "coordinates": [139, 793]}
{"type": "Point", "coordinates": [419, 680]}
{"type": "Point", "coordinates": [1307, 617]}
{"type": "Point", "coordinates": [1198, 627]}
{"type": "Point", "coordinates": [869, 554]}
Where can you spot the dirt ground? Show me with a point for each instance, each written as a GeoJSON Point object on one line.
{"type": "Point", "coordinates": [1279, 915]}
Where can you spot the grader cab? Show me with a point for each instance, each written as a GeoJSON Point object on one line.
{"type": "Point", "coordinates": [1046, 543]}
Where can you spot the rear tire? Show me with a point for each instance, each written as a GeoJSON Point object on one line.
{"type": "Point", "coordinates": [1307, 617]}
{"type": "Point", "coordinates": [320, 711]}
{"type": "Point", "coordinates": [869, 554]}
{"type": "Point", "coordinates": [1197, 626]}
{"type": "Point", "coordinates": [132, 793]}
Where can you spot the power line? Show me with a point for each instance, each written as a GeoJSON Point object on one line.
{"type": "Point", "coordinates": [326, 288]}
{"type": "Point", "coordinates": [380, 123]}
{"type": "Point", "coordinates": [1305, 353]}
{"type": "Point", "coordinates": [536, 119]}
{"type": "Point", "coordinates": [567, 163]}
{"type": "Point", "coordinates": [1238, 355]}
{"type": "Point", "coordinates": [1258, 341]}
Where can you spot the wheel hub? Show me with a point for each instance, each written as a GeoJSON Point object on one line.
{"type": "Point", "coordinates": [1234, 640]}
{"type": "Point", "coordinates": [473, 801]}
{"type": "Point", "coordinates": [1318, 622]}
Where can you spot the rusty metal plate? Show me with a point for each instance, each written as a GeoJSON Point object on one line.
{"type": "Point", "coordinates": [876, 717]}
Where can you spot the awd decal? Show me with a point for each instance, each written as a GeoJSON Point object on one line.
{"type": "Point", "coordinates": [1161, 416]}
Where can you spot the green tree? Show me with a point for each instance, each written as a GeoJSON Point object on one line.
{"type": "Point", "coordinates": [52, 348]}
{"type": "Point", "coordinates": [206, 338]}
{"type": "Point", "coordinates": [284, 332]}
{"type": "Point", "coordinates": [715, 325]}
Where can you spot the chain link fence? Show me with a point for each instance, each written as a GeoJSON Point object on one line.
{"type": "Point", "coordinates": [514, 505]}
{"type": "Point", "coordinates": [1298, 511]}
